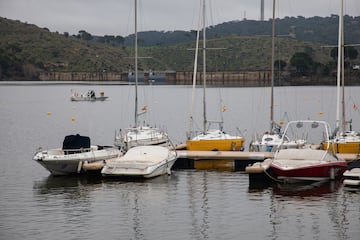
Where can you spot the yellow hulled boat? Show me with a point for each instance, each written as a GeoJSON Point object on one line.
{"type": "Point", "coordinates": [347, 143]}
{"type": "Point", "coordinates": [215, 140]}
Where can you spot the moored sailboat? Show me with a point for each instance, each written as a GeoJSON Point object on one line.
{"type": "Point", "coordinates": [145, 156]}
{"type": "Point", "coordinates": [209, 139]}
{"type": "Point", "coordinates": [344, 141]}
{"type": "Point", "coordinates": [271, 139]}
{"type": "Point", "coordinates": [140, 134]}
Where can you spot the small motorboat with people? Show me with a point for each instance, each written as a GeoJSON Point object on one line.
{"type": "Point", "coordinates": [308, 162]}
{"type": "Point", "coordinates": [88, 96]}
{"type": "Point", "coordinates": [141, 162]}
{"type": "Point", "coordinates": [75, 152]}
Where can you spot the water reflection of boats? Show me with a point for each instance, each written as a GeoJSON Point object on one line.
{"type": "Point", "coordinates": [310, 189]}
{"type": "Point", "coordinates": [63, 184]}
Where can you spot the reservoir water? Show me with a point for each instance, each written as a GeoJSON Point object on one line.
{"type": "Point", "coordinates": [188, 204]}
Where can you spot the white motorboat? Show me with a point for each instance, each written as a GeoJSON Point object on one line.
{"type": "Point", "coordinates": [75, 152]}
{"type": "Point", "coordinates": [142, 162]}
{"type": "Point", "coordinates": [352, 174]}
{"type": "Point", "coordinates": [309, 162]}
{"type": "Point", "coordinates": [88, 96]}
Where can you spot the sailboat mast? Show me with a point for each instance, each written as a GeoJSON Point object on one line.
{"type": "Point", "coordinates": [272, 70]}
{"type": "Point", "coordinates": [136, 66]}
{"type": "Point", "coordinates": [339, 66]}
{"type": "Point", "coordinates": [204, 67]}
{"type": "Point", "coordinates": [343, 70]}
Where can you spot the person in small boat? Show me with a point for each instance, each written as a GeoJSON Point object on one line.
{"type": "Point", "coordinates": [92, 94]}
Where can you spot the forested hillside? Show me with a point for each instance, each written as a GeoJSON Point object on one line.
{"type": "Point", "coordinates": [26, 50]}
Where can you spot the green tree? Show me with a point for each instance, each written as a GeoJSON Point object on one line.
{"type": "Point", "coordinates": [349, 52]}
{"type": "Point", "coordinates": [85, 35]}
{"type": "Point", "coordinates": [302, 62]}
{"type": "Point", "coordinates": [280, 65]}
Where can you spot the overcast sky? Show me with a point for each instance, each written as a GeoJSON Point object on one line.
{"type": "Point", "coordinates": [115, 17]}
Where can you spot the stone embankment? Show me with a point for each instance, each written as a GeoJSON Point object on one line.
{"type": "Point", "coordinates": [227, 79]}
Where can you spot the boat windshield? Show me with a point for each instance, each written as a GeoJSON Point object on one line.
{"type": "Point", "coordinates": [312, 132]}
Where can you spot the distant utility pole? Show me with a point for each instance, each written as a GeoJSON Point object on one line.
{"type": "Point", "coordinates": [261, 10]}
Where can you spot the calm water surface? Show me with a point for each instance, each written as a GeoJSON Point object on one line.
{"type": "Point", "coordinates": [188, 204]}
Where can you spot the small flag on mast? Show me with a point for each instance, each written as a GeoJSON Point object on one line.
{"type": "Point", "coordinates": [355, 107]}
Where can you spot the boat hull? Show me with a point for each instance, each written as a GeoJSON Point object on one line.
{"type": "Point", "coordinates": [136, 172]}
{"type": "Point", "coordinates": [343, 147]}
{"type": "Point", "coordinates": [58, 163]}
{"type": "Point", "coordinates": [215, 145]}
{"type": "Point", "coordinates": [91, 99]}
{"type": "Point", "coordinates": [316, 172]}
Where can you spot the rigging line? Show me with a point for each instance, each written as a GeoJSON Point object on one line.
{"type": "Point", "coordinates": [222, 108]}
{"type": "Point", "coordinates": [211, 13]}
{"type": "Point", "coordinates": [129, 17]}
{"type": "Point", "coordinates": [191, 122]}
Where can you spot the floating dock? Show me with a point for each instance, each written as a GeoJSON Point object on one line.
{"type": "Point", "coordinates": [218, 160]}
{"type": "Point", "coordinates": [228, 160]}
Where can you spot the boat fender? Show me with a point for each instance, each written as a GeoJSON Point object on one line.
{"type": "Point", "coordinates": [332, 173]}
{"type": "Point", "coordinates": [79, 166]}
{"type": "Point", "coordinates": [233, 146]}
